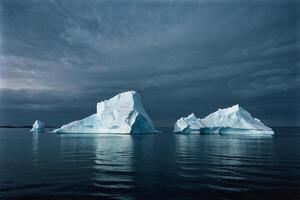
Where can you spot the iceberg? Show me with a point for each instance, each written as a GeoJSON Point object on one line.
{"type": "Point", "coordinates": [189, 124]}
{"type": "Point", "coordinates": [38, 126]}
{"type": "Point", "coordinates": [123, 113]}
{"type": "Point", "coordinates": [232, 120]}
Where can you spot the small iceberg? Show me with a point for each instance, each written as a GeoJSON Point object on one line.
{"type": "Point", "coordinates": [38, 126]}
{"type": "Point", "coordinates": [123, 113]}
{"type": "Point", "coordinates": [189, 124]}
{"type": "Point", "coordinates": [232, 120]}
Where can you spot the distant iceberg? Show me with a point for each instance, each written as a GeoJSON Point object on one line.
{"type": "Point", "coordinates": [230, 120]}
{"type": "Point", "coordinates": [38, 126]}
{"type": "Point", "coordinates": [124, 113]}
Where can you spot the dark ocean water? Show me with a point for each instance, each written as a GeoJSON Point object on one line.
{"type": "Point", "coordinates": [149, 166]}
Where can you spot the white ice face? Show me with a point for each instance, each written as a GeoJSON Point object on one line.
{"type": "Point", "coordinates": [38, 126]}
{"type": "Point", "coordinates": [124, 113]}
{"type": "Point", "coordinates": [188, 124]}
{"type": "Point", "coordinates": [224, 121]}
{"type": "Point", "coordinates": [233, 117]}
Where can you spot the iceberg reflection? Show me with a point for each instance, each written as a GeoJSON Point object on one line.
{"type": "Point", "coordinates": [103, 161]}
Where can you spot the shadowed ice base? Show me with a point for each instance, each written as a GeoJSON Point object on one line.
{"type": "Point", "coordinates": [236, 131]}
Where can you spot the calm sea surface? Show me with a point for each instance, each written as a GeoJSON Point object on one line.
{"type": "Point", "coordinates": [149, 166]}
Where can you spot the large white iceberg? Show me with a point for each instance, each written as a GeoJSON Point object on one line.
{"type": "Point", "coordinates": [234, 119]}
{"type": "Point", "coordinates": [189, 124]}
{"type": "Point", "coordinates": [38, 126]}
{"type": "Point", "coordinates": [124, 113]}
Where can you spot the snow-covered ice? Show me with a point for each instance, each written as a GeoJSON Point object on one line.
{"type": "Point", "coordinates": [234, 119]}
{"type": "Point", "coordinates": [124, 113]}
{"type": "Point", "coordinates": [38, 126]}
{"type": "Point", "coordinates": [189, 124]}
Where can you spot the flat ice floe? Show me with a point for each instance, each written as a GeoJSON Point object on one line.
{"type": "Point", "coordinates": [124, 113]}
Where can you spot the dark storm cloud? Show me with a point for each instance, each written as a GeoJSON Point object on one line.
{"type": "Point", "coordinates": [182, 56]}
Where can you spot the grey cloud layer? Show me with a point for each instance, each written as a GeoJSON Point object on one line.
{"type": "Point", "coordinates": [183, 57]}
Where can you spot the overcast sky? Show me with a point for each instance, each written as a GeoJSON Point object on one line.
{"type": "Point", "coordinates": [58, 58]}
